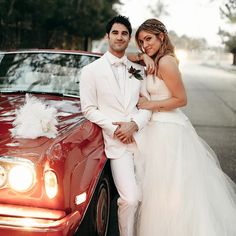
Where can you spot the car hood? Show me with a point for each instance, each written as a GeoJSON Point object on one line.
{"type": "Point", "coordinates": [68, 115]}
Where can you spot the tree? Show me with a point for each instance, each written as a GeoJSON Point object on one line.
{"type": "Point", "coordinates": [159, 9]}
{"type": "Point", "coordinates": [21, 22]}
{"type": "Point", "coordinates": [79, 21]}
{"type": "Point", "coordinates": [228, 11]}
{"type": "Point", "coordinates": [66, 24]}
{"type": "Point", "coordinates": [90, 17]}
{"type": "Point", "coordinates": [187, 43]}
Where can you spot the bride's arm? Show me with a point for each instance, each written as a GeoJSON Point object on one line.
{"type": "Point", "coordinates": [144, 60]}
{"type": "Point", "coordinates": [135, 57]}
{"type": "Point", "coordinates": [169, 72]}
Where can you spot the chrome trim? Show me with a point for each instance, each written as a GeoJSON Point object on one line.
{"type": "Point", "coordinates": [16, 160]}
{"type": "Point", "coordinates": [32, 223]}
{"type": "Point", "coordinates": [35, 225]}
{"type": "Point", "coordinates": [19, 211]}
{"type": "Point", "coordinates": [82, 53]}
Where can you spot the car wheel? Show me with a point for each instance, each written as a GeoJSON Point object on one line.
{"type": "Point", "coordinates": [95, 222]}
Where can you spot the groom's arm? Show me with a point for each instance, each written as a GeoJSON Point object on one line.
{"type": "Point", "coordinates": [89, 103]}
{"type": "Point", "coordinates": [142, 116]}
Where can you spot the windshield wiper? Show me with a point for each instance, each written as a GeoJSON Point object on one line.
{"type": "Point", "coordinates": [39, 92]}
{"type": "Point", "coordinates": [12, 91]}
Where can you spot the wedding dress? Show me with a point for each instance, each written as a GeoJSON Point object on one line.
{"type": "Point", "coordinates": [185, 192]}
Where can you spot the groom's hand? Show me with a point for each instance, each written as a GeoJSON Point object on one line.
{"type": "Point", "coordinates": [125, 131]}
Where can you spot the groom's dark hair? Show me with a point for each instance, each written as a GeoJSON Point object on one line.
{"type": "Point", "coordinates": [120, 20]}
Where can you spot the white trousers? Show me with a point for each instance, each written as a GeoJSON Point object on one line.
{"type": "Point", "coordinates": [130, 194]}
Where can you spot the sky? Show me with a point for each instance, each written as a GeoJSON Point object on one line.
{"type": "Point", "coordinates": [194, 18]}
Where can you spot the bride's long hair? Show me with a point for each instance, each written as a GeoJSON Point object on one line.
{"type": "Point", "coordinates": [156, 27]}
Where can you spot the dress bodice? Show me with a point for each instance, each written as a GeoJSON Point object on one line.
{"type": "Point", "coordinates": [157, 88]}
{"type": "Point", "coordinates": [158, 91]}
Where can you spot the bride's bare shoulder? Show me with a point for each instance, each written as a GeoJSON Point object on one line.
{"type": "Point", "coordinates": [168, 60]}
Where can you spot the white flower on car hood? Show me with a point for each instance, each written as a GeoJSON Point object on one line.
{"type": "Point", "coordinates": [35, 119]}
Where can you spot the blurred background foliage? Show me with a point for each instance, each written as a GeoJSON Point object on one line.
{"type": "Point", "coordinates": [65, 24]}
{"type": "Point", "coordinates": [228, 12]}
{"type": "Point", "coordinates": [75, 24]}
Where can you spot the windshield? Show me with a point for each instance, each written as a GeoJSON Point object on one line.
{"type": "Point", "coordinates": [42, 72]}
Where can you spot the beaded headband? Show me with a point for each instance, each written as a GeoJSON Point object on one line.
{"type": "Point", "coordinates": [155, 26]}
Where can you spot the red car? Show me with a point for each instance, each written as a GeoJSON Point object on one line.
{"type": "Point", "coordinates": [51, 186]}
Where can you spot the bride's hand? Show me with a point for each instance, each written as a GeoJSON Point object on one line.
{"type": "Point", "coordinates": [149, 63]}
{"type": "Point", "coordinates": [144, 105]}
{"type": "Point", "coordinates": [141, 100]}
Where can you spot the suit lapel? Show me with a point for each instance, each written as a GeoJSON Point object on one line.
{"type": "Point", "coordinates": [130, 84]}
{"type": "Point", "coordinates": [111, 80]}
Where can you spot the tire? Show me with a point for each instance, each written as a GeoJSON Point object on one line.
{"type": "Point", "coordinates": [96, 220]}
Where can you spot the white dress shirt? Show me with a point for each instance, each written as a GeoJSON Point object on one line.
{"type": "Point", "coordinates": [119, 68]}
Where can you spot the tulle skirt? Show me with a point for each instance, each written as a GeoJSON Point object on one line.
{"type": "Point", "coordinates": [185, 192]}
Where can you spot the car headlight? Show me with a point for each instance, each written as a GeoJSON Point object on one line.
{"type": "Point", "coordinates": [21, 178]}
{"type": "Point", "coordinates": [3, 176]}
{"type": "Point", "coordinates": [51, 184]}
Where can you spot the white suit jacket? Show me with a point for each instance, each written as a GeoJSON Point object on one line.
{"type": "Point", "coordinates": [103, 103]}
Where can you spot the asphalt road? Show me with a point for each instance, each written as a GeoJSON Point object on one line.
{"type": "Point", "coordinates": [212, 111]}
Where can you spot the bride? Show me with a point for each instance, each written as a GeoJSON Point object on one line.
{"type": "Point", "coordinates": [185, 192]}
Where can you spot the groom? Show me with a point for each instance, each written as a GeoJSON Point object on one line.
{"type": "Point", "coordinates": [109, 94]}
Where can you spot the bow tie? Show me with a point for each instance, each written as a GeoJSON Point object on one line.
{"type": "Point", "coordinates": [119, 62]}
